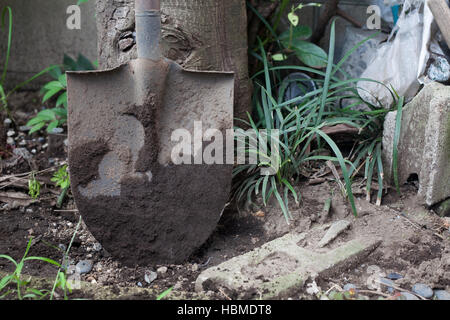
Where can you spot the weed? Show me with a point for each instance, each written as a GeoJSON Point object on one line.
{"type": "Point", "coordinates": [300, 122]}
{"type": "Point", "coordinates": [56, 117]}
{"type": "Point", "coordinates": [14, 284]}
{"type": "Point", "coordinates": [61, 179]}
{"type": "Point", "coordinates": [34, 187]}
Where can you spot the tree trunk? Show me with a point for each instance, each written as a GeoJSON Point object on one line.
{"type": "Point", "coordinates": [198, 34]}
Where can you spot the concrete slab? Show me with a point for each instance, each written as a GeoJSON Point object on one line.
{"type": "Point", "coordinates": [278, 267]}
{"type": "Point", "coordinates": [424, 145]}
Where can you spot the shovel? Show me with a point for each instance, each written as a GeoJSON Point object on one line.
{"type": "Point", "coordinates": [126, 126]}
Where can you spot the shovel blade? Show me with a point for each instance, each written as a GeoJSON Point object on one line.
{"type": "Point", "coordinates": [124, 125]}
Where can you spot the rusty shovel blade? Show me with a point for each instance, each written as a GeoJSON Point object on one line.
{"type": "Point", "coordinates": [142, 207]}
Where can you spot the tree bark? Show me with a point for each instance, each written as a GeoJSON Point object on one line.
{"type": "Point", "coordinates": [198, 34]}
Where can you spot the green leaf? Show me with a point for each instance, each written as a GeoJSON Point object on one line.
{"type": "Point", "coordinates": [63, 80]}
{"type": "Point", "coordinates": [52, 125]}
{"type": "Point", "coordinates": [279, 57]}
{"type": "Point", "coordinates": [37, 127]}
{"type": "Point", "coordinates": [308, 53]}
{"type": "Point", "coordinates": [52, 85]}
{"type": "Point", "coordinates": [47, 114]}
{"type": "Point", "coordinates": [81, 2]}
{"type": "Point", "coordinates": [293, 18]}
{"type": "Point", "coordinates": [299, 32]}
{"type": "Point", "coordinates": [51, 93]}
{"type": "Point", "coordinates": [55, 72]}
{"type": "Point", "coordinates": [83, 63]}
{"type": "Point", "coordinates": [398, 127]}
{"type": "Point", "coordinates": [62, 100]}
{"type": "Point", "coordinates": [165, 293]}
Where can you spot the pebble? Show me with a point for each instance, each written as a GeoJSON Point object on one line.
{"type": "Point", "coordinates": [162, 270]}
{"type": "Point", "coordinates": [84, 266]}
{"type": "Point", "coordinates": [194, 267]}
{"type": "Point", "coordinates": [10, 133]}
{"type": "Point", "coordinates": [441, 295]}
{"type": "Point", "coordinates": [29, 210]}
{"type": "Point", "coordinates": [139, 284]}
{"type": "Point", "coordinates": [388, 284]}
{"type": "Point", "coordinates": [33, 151]}
{"type": "Point", "coordinates": [7, 121]}
{"type": "Point", "coordinates": [97, 247]}
{"type": "Point", "coordinates": [24, 128]}
{"type": "Point", "coordinates": [394, 276]}
{"type": "Point", "coordinates": [22, 143]}
{"type": "Point", "coordinates": [10, 141]}
{"type": "Point", "coordinates": [349, 286]}
{"type": "Point", "coordinates": [23, 152]}
{"type": "Point", "coordinates": [150, 277]}
{"type": "Point", "coordinates": [422, 290]}
{"type": "Point", "coordinates": [57, 130]}
{"type": "Point", "coordinates": [409, 296]}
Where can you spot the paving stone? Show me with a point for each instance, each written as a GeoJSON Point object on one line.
{"type": "Point", "coordinates": [336, 228]}
{"type": "Point", "coordinates": [424, 144]}
{"type": "Point", "coordinates": [278, 267]}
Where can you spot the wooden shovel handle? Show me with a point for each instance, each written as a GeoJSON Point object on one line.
{"type": "Point", "coordinates": [147, 5]}
{"type": "Point", "coordinates": [441, 13]}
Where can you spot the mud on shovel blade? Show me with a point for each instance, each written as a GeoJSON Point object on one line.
{"type": "Point", "coordinates": [141, 206]}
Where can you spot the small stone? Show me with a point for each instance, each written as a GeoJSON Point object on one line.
{"type": "Point", "coordinates": [139, 284]}
{"type": "Point", "coordinates": [70, 224]}
{"type": "Point", "coordinates": [89, 255]}
{"type": "Point", "coordinates": [150, 277]}
{"type": "Point", "coordinates": [177, 286]}
{"type": "Point", "coordinates": [394, 276]}
{"type": "Point", "coordinates": [162, 270]}
{"type": "Point", "coordinates": [23, 153]}
{"type": "Point", "coordinates": [97, 247]}
{"type": "Point", "coordinates": [194, 267]}
{"type": "Point", "coordinates": [29, 210]}
{"type": "Point", "coordinates": [441, 295]}
{"type": "Point", "coordinates": [22, 143]}
{"type": "Point", "coordinates": [24, 128]}
{"type": "Point", "coordinates": [10, 141]}
{"type": "Point", "coordinates": [57, 130]}
{"type": "Point", "coordinates": [10, 133]}
{"type": "Point", "coordinates": [7, 121]}
{"type": "Point", "coordinates": [84, 266]}
{"type": "Point", "coordinates": [33, 151]}
{"type": "Point", "coordinates": [388, 284]}
{"type": "Point", "coordinates": [422, 290]}
{"type": "Point", "coordinates": [349, 286]}
{"type": "Point", "coordinates": [41, 139]}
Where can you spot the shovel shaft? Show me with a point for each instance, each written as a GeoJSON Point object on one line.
{"type": "Point", "coordinates": [148, 29]}
{"type": "Point", "coordinates": [146, 5]}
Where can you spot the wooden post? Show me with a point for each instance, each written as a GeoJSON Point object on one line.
{"type": "Point", "coordinates": [441, 13]}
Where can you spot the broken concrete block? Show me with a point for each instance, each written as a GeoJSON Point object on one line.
{"type": "Point", "coordinates": [424, 144]}
{"type": "Point", "coordinates": [336, 229]}
{"type": "Point", "coordinates": [278, 267]}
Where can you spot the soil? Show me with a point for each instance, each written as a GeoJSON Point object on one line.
{"type": "Point", "coordinates": [415, 242]}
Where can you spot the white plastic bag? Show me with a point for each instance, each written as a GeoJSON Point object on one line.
{"type": "Point", "coordinates": [397, 61]}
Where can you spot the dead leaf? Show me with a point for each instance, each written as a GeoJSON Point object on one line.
{"type": "Point", "coordinates": [16, 199]}
{"type": "Point", "coordinates": [260, 214]}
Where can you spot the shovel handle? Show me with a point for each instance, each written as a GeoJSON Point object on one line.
{"type": "Point", "coordinates": [147, 5]}
{"type": "Point", "coordinates": [148, 29]}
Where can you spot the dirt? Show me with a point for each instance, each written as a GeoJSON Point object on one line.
{"type": "Point", "coordinates": [415, 241]}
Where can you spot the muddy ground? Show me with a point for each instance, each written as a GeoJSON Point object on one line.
{"type": "Point", "coordinates": [415, 241]}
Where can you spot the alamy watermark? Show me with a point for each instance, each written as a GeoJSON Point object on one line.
{"type": "Point", "coordinates": [213, 146]}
